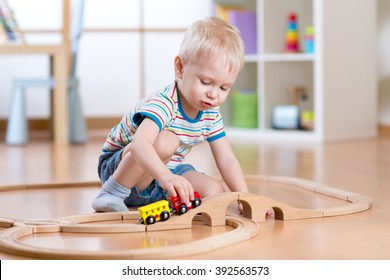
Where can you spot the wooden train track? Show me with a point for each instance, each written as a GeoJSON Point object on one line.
{"type": "Point", "coordinates": [212, 212]}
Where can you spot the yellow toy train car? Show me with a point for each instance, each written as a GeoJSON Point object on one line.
{"type": "Point", "coordinates": [154, 212]}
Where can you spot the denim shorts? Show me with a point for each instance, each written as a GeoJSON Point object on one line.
{"type": "Point", "coordinates": [108, 163]}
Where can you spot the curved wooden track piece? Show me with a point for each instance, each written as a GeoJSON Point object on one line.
{"type": "Point", "coordinates": [6, 223]}
{"type": "Point", "coordinates": [354, 202]}
{"type": "Point", "coordinates": [10, 242]}
{"type": "Point", "coordinates": [212, 212]}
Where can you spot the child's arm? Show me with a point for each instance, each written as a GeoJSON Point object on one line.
{"type": "Point", "coordinates": [146, 156]}
{"type": "Point", "coordinates": [228, 165]}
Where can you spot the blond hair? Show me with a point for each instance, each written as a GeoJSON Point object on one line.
{"type": "Point", "coordinates": [209, 38]}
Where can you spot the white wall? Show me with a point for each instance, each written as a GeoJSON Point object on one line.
{"type": "Point", "coordinates": [349, 69]}
{"type": "Point", "coordinates": [108, 63]}
{"type": "Point", "coordinates": [384, 61]}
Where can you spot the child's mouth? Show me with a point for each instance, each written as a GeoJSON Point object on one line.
{"type": "Point", "coordinates": [206, 104]}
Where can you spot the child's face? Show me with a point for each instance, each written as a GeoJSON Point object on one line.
{"type": "Point", "coordinates": [203, 85]}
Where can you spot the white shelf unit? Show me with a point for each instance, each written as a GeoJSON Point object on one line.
{"type": "Point", "coordinates": [340, 76]}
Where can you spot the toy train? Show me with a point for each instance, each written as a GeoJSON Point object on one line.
{"type": "Point", "coordinates": [163, 209]}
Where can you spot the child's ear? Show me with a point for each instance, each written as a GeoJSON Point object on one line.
{"type": "Point", "coordinates": [178, 63]}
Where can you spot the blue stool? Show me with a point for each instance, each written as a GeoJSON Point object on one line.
{"type": "Point", "coordinates": [17, 128]}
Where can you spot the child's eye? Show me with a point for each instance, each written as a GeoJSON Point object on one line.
{"type": "Point", "coordinates": [205, 82]}
{"type": "Point", "coordinates": [224, 89]}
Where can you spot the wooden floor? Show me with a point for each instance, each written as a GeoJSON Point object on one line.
{"type": "Point", "coordinates": [361, 167]}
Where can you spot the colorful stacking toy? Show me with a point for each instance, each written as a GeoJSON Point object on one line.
{"type": "Point", "coordinates": [292, 40]}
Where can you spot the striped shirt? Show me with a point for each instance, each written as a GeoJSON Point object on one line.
{"type": "Point", "coordinates": [164, 108]}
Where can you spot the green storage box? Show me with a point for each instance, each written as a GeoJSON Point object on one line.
{"type": "Point", "coordinates": [244, 104]}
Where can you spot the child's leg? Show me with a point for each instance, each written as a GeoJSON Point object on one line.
{"type": "Point", "coordinates": [204, 184]}
{"type": "Point", "coordinates": [207, 185]}
{"type": "Point", "coordinates": [165, 146]}
{"type": "Point", "coordinates": [129, 174]}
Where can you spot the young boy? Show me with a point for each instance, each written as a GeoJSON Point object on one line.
{"type": "Point", "coordinates": [142, 159]}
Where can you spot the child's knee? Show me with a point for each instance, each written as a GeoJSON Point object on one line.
{"type": "Point", "coordinates": [219, 187]}
{"type": "Point", "coordinates": [215, 187]}
{"type": "Point", "coordinates": [166, 145]}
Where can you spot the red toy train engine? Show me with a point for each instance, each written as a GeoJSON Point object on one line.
{"type": "Point", "coordinates": [179, 207]}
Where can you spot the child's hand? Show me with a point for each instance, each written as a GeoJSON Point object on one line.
{"type": "Point", "coordinates": [177, 186]}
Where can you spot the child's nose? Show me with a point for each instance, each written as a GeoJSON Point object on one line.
{"type": "Point", "coordinates": [213, 93]}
